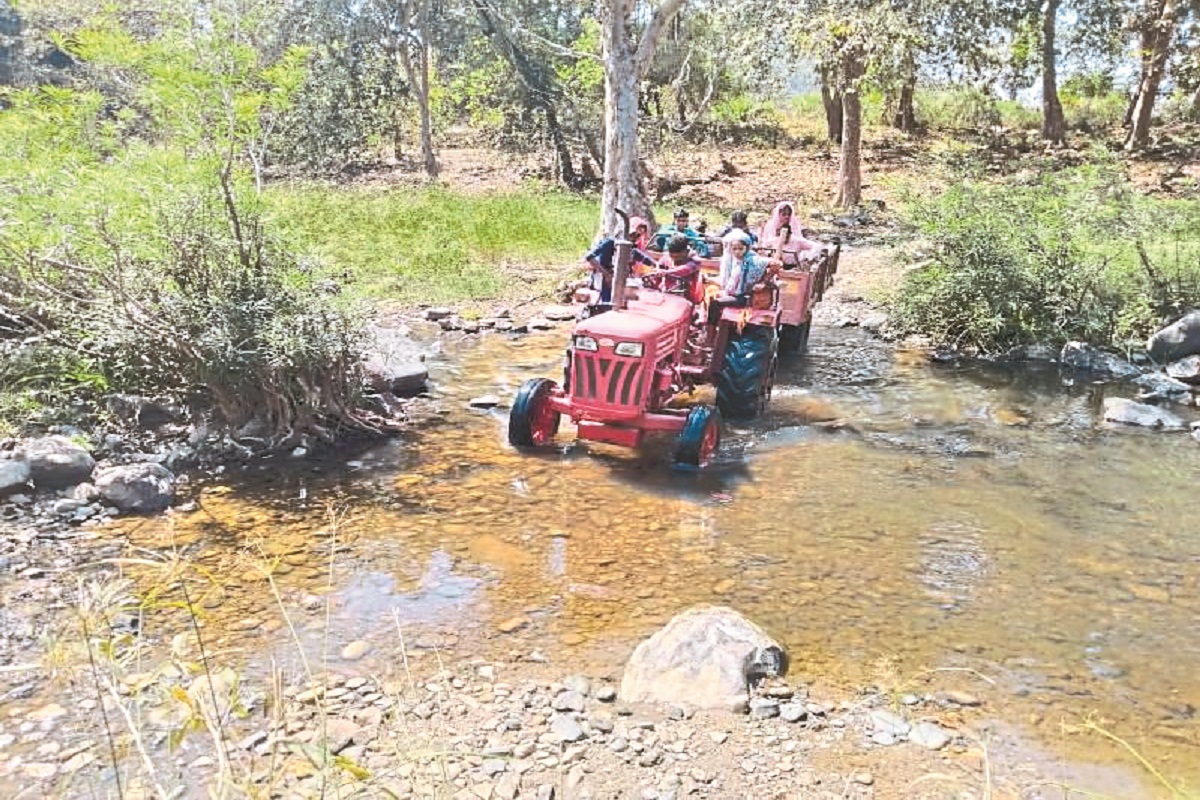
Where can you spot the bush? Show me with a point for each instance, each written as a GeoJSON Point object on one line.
{"type": "Point", "coordinates": [1071, 255]}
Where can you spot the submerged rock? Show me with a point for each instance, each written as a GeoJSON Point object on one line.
{"type": "Point", "coordinates": [137, 488]}
{"type": "Point", "coordinates": [1127, 412]}
{"type": "Point", "coordinates": [1178, 340]}
{"type": "Point", "coordinates": [56, 462]}
{"type": "Point", "coordinates": [1033, 352]}
{"type": "Point", "coordinates": [708, 656]}
{"type": "Point", "coordinates": [1157, 386]}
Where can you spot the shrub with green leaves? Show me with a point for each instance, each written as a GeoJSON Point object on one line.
{"type": "Point", "coordinates": [1069, 255]}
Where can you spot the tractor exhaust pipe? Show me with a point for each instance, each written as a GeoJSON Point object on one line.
{"type": "Point", "coordinates": [621, 265]}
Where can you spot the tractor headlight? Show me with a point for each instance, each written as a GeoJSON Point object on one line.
{"type": "Point", "coordinates": [634, 349]}
{"type": "Point", "coordinates": [586, 343]}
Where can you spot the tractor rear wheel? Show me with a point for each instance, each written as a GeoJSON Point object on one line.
{"type": "Point", "coordinates": [793, 339]}
{"type": "Point", "coordinates": [533, 421]}
{"type": "Point", "coordinates": [699, 439]}
{"type": "Point", "coordinates": [747, 373]}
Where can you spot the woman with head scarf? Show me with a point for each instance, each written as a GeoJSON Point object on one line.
{"type": "Point", "coordinates": [782, 233]}
{"type": "Point", "coordinates": [741, 269]}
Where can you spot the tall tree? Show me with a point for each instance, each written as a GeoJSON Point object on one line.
{"type": "Point", "coordinates": [413, 32]}
{"type": "Point", "coordinates": [1053, 124]}
{"type": "Point", "coordinates": [1154, 66]}
{"type": "Point", "coordinates": [627, 56]}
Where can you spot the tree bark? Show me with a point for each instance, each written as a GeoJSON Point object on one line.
{"type": "Point", "coordinates": [415, 34]}
{"type": "Point", "coordinates": [1146, 38]}
{"type": "Point", "coordinates": [850, 171]}
{"type": "Point", "coordinates": [906, 118]}
{"type": "Point", "coordinates": [1164, 34]}
{"type": "Point", "coordinates": [1053, 125]}
{"type": "Point", "coordinates": [832, 101]}
{"type": "Point", "coordinates": [625, 63]}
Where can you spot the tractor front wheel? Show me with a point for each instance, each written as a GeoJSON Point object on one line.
{"type": "Point", "coordinates": [747, 373]}
{"type": "Point", "coordinates": [699, 439]}
{"type": "Point", "coordinates": [533, 421]}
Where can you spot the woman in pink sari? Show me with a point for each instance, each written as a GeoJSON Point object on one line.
{"type": "Point", "coordinates": [781, 233]}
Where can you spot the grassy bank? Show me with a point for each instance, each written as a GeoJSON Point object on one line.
{"type": "Point", "coordinates": [433, 245]}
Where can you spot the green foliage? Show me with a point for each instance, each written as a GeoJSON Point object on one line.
{"type": "Point", "coordinates": [431, 245]}
{"type": "Point", "coordinates": [1049, 259]}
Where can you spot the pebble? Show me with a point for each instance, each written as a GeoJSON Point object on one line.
{"type": "Point", "coordinates": [963, 699]}
{"type": "Point", "coordinates": [514, 624]}
{"type": "Point", "coordinates": [606, 694]}
{"type": "Point", "coordinates": [493, 767]}
{"type": "Point", "coordinates": [718, 737]}
{"type": "Point", "coordinates": [764, 708]}
{"type": "Point", "coordinates": [864, 778]}
{"type": "Point", "coordinates": [578, 683]}
{"type": "Point", "coordinates": [355, 650]}
{"type": "Point", "coordinates": [618, 745]}
{"type": "Point", "coordinates": [793, 712]}
{"type": "Point", "coordinates": [929, 735]}
{"type": "Point", "coordinates": [566, 729]}
{"type": "Point", "coordinates": [568, 701]}
{"type": "Point", "coordinates": [887, 722]}
{"type": "Point", "coordinates": [484, 401]}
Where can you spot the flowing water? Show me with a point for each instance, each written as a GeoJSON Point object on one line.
{"type": "Point", "coordinates": [895, 523]}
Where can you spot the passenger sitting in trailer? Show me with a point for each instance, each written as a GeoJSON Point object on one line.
{"type": "Point", "coordinates": [600, 259]}
{"type": "Point", "coordinates": [741, 269]}
{"type": "Point", "coordinates": [678, 271]}
{"type": "Point", "coordinates": [738, 222]}
{"type": "Point", "coordinates": [789, 242]}
{"type": "Point", "coordinates": [679, 224]}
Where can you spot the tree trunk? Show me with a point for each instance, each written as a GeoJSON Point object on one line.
{"type": "Point", "coordinates": [906, 118]}
{"type": "Point", "coordinates": [1053, 125]}
{"type": "Point", "coordinates": [832, 101]}
{"type": "Point", "coordinates": [1164, 34]}
{"type": "Point", "coordinates": [1146, 37]}
{"type": "Point", "coordinates": [850, 172]}
{"type": "Point", "coordinates": [418, 74]}
{"type": "Point", "coordinates": [625, 63]}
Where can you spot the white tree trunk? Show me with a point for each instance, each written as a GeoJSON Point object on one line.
{"type": "Point", "coordinates": [625, 62]}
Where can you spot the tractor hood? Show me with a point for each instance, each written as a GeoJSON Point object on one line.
{"type": "Point", "coordinates": [647, 314]}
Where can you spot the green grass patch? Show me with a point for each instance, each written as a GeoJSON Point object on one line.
{"type": "Point", "coordinates": [433, 245]}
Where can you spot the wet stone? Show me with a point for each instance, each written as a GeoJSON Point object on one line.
{"type": "Point", "coordinates": [355, 650]}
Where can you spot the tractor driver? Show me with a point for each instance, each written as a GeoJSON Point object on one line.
{"type": "Point", "coordinates": [740, 271]}
{"type": "Point", "coordinates": [600, 260]}
{"type": "Point", "coordinates": [679, 224]}
{"type": "Point", "coordinates": [679, 271]}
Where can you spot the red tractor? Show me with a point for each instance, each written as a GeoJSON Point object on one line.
{"type": "Point", "coordinates": [625, 366]}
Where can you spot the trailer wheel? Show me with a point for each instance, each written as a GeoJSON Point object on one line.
{"type": "Point", "coordinates": [793, 339]}
{"type": "Point", "coordinates": [699, 439]}
{"type": "Point", "coordinates": [746, 374]}
{"type": "Point", "coordinates": [533, 421]}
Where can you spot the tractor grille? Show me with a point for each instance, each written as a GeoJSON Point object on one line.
{"type": "Point", "coordinates": [611, 380]}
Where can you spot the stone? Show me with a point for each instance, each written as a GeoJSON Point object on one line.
{"type": "Point", "coordinates": [1127, 412]}
{"type": "Point", "coordinates": [764, 708]}
{"type": "Point", "coordinates": [1186, 370]}
{"type": "Point", "coordinates": [578, 683]}
{"type": "Point", "coordinates": [707, 656]}
{"type": "Point", "coordinates": [929, 736]}
{"type": "Point", "coordinates": [136, 488]}
{"type": "Point", "coordinates": [874, 322]}
{"type": "Point", "coordinates": [618, 745]}
{"type": "Point", "coordinates": [513, 624]}
{"type": "Point", "coordinates": [508, 788]}
{"type": "Point", "coordinates": [397, 377]}
{"type": "Point", "coordinates": [560, 313]}
{"type": "Point", "coordinates": [67, 506]}
{"type": "Point", "coordinates": [14, 472]}
{"type": "Point", "coordinates": [793, 712]}
{"type": "Point", "coordinates": [545, 792]}
{"type": "Point", "coordinates": [1178, 340]}
{"type": "Point", "coordinates": [567, 701]}
{"type": "Point", "coordinates": [864, 778]}
{"type": "Point", "coordinates": [47, 713]}
{"type": "Point", "coordinates": [962, 698]}
{"type": "Point", "coordinates": [1156, 386]}
{"type": "Point", "coordinates": [1033, 352]}
{"type": "Point", "coordinates": [605, 694]}
{"type": "Point", "coordinates": [484, 401]}
{"type": "Point", "coordinates": [56, 462]}
{"type": "Point", "coordinates": [493, 767]}
{"type": "Point", "coordinates": [356, 650]}
{"type": "Point", "coordinates": [718, 737]}
{"type": "Point", "coordinates": [1085, 357]}
{"type": "Point", "coordinates": [565, 728]}
{"type": "Point", "coordinates": [539, 324]}
{"type": "Point", "coordinates": [437, 313]}
{"type": "Point", "coordinates": [885, 721]}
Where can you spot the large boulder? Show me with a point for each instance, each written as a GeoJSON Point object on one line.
{"type": "Point", "coordinates": [1157, 386]}
{"type": "Point", "coordinates": [136, 488]}
{"type": "Point", "coordinates": [706, 657]}
{"type": "Point", "coordinates": [403, 379]}
{"type": "Point", "coordinates": [1127, 412]}
{"type": "Point", "coordinates": [14, 472]}
{"type": "Point", "coordinates": [1178, 340]}
{"type": "Point", "coordinates": [56, 462]}
{"type": "Point", "coordinates": [1085, 357]}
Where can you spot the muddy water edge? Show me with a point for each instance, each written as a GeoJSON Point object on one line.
{"type": "Point", "coordinates": [910, 527]}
